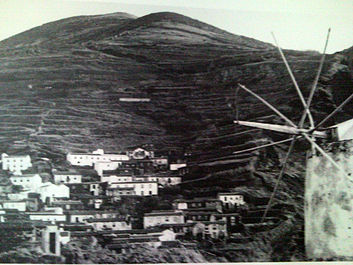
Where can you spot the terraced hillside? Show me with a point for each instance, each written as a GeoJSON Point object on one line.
{"type": "Point", "coordinates": [61, 83]}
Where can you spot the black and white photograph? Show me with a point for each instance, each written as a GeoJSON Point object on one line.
{"type": "Point", "coordinates": [172, 131]}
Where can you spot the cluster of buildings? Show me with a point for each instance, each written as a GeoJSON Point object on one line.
{"type": "Point", "coordinates": [69, 205]}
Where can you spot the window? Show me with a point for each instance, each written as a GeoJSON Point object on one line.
{"type": "Point", "coordinates": [225, 198]}
{"type": "Point", "coordinates": [150, 192]}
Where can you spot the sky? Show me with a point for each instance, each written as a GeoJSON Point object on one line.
{"type": "Point", "coordinates": [297, 24]}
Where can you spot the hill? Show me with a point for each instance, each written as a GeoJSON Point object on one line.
{"type": "Point", "coordinates": [61, 84]}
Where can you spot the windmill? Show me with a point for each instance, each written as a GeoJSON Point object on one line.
{"type": "Point", "coordinates": [328, 184]}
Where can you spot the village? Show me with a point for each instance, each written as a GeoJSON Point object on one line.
{"type": "Point", "coordinates": [66, 205]}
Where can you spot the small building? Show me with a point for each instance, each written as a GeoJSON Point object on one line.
{"type": "Point", "coordinates": [15, 163]}
{"type": "Point", "coordinates": [232, 220]}
{"type": "Point", "coordinates": [48, 215]}
{"type": "Point", "coordinates": [102, 166]}
{"type": "Point", "coordinates": [92, 188]}
{"type": "Point", "coordinates": [83, 159]}
{"type": "Point", "coordinates": [342, 131]}
{"type": "Point", "coordinates": [116, 178]}
{"type": "Point", "coordinates": [197, 203]}
{"type": "Point", "coordinates": [231, 199]}
{"type": "Point", "coordinates": [176, 166]}
{"type": "Point", "coordinates": [27, 181]}
{"type": "Point", "coordinates": [81, 216]}
{"type": "Point", "coordinates": [117, 223]}
{"type": "Point", "coordinates": [66, 177]}
{"type": "Point", "coordinates": [142, 237]}
{"type": "Point", "coordinates": [5, 186]}
{"type": "Point", "coordinates": [141, 153]}
{"type": "Point", "coordinates": [197, 215]}
{"type": "Point", "coordinates": [141, 188]}
{"type": "Point", "coordinates": [157, 218]}
{"type": "Point", "coordinates": [33, 202]}
{"type": "Point", "coordinates": [13, 204]}
{"type": "Point", "coordinates": [168, 180]}
{"type": "Point", "coordinates": [68, 204]}
{"type": "Point", "coordinates": [210, 229]}
{"type": "Point", "coordinates": [160, 162]}
{"type": "Point", "coordinates": [52, 238]}
{"type": "Point", "coordinates": [48, 191]}
{"type": "Point", "coordinates": [145, 178]}
{"type": "Point", "coordinates": [116, 192]}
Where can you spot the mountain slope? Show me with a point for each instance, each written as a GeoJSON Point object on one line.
{"type": "Point", "coordinates": [61, 84]}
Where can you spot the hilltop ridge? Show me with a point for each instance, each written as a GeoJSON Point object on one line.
{"type": "Point", "coordinates": [61, 85]}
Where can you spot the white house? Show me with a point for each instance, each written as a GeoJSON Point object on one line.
{"type": "Point", "coordinates": [94, 157]}
{"type": "Point", "coordinates": [15, 163]}
{"type": "Point", "coordinates": [66, 177]}
{"type": "Point", "coordinates": [49, 191]}
{"type": "Point", "coordinates": [343, 131]}
{"type": "Point", "coordinates": [81, 216]}
{"type": "Point", "coordinates": [19, 195]}
{"type": "Point", "coordinates": [213, 229]}
{"type": "Point", "coordinates": [176, 166]}
{"type": "Point", "coordinates": [102, 166]}
{"type": "Point", "coordinates": [116, 178]}
{"type": "Point", "coordinates": [140, 153]}
{"type": "Point", "coordinates": [13, 204]}
{"type": "Point", "coordinates": [231, 199]}
{"type": "Point", "coordinates": [169, 180]}
{"type": "Point", "coordinates": [48, 215]}
{"type": "Point", "coordinates": [157, 218]}
{"type": "Point", "coordinates": [27, 181]}
{"type": "Point", "coordinates": [141, 188]}
{"type": "Point", "coordinates": [52, 237]}
{"type": "Point", "coordinates": [117, 223]}
{"type": "Point", "coordinates": [160, 161]}
{"type": "Point", "coordinates": [145, 178]}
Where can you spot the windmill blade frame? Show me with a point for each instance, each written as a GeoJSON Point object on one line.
{"type": "Point", "coordinates": [333, 113]}
{"type": "Point", "coordinates": [263, 146]}
{"type": "Point", "coordinates": [283, 169]}
{"type": "Point", "coordinates": [300, 94]}
{"type": "Point", "coordinates": [268, 105]}
{"type": "Point", "coordinates": [313, 89]}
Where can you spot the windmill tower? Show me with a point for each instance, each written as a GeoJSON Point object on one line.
{"type": "Point", "coordinates": [329, 174]}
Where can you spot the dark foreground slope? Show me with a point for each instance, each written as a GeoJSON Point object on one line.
{"type": "Point", "coordinates": [61, 83]}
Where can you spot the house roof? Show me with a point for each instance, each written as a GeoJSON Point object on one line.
{"type": "Point", "coordinates": [121, 188]}
{"type": "Point", "coordinates": [135, 182]}
{"type": "Point", "coordinates": [107, 220]}
{"type": "Point", "coordinates": [55, 173]}
{"type": "Point", "coordinates": [201, 213]}
{"type": "Point", "coordinates": [229, 193]}
{"type": "Point", "coordinates": [67, 202]}
{"type": "Point", "coordinates": [17, 156]}
{"type": "Point", "coordinates": [161, 213]}
{"type": "Point", "coordinates": [89, 212]}
{"type": "Point", "coordinates": [220, 222]}
{"type": "Point", "coordinates": [176, 225]}
{"type": "Point", "coordinates": [25, 176]}
{"type": "Point", "coordinates": [89, 196]}
{"type": "Point", "coordinates": [85, 183]}
{"type": "Point", "coordinates": [226, 214]}
{"type": "Point", "coordinates": [198, 200]}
